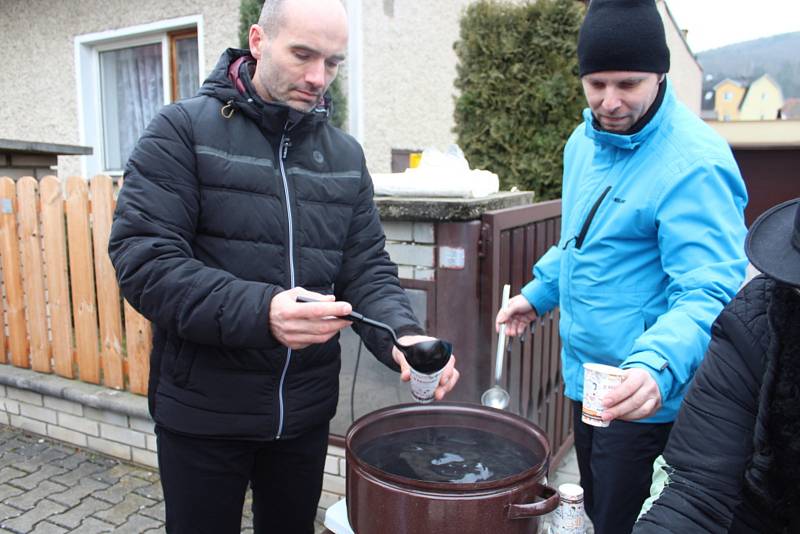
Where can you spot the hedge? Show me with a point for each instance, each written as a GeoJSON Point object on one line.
{"type": "Point", "coordinates": [520, 94]}
{"type": "Point", "coordinates": [249, 11]}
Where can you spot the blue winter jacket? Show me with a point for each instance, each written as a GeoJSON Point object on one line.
{"type": "Point", "coordinates": [651, 249]}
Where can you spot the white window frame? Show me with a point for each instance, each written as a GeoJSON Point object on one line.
{"type": "Point", "coordinates": [355, 70]}
{"type": "Point", "coordinates": [87, 76]}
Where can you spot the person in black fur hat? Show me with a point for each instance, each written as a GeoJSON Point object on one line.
{"type": "Point", "coordinates": [651, 250]}
{"type": "Point", "coordinates": [732, 463]}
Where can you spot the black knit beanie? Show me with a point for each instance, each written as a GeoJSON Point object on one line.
{"type": "Point", "coordinates": [625, 35]}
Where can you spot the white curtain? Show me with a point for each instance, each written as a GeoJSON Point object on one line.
{"type": "Point", "coordinates": [132, 93]}
{"type": "Point", "coordinates": [188, 67]}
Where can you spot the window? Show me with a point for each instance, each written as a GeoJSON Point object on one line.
{"type": "Point", "coordinates": [125, 77]}
{"type": "Point", "coordinates": [184, 65]}
{"type": "Point", "coordinates": [728, 95]}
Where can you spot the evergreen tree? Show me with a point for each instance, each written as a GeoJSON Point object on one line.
{"type": "Point", "coordinates": [520, 94]}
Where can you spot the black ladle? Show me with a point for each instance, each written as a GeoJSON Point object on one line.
{"type": "Point", "coordinates": [425, 356]}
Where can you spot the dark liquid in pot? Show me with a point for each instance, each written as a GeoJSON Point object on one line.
{"type": "Point", "coordinates": [447, 454]}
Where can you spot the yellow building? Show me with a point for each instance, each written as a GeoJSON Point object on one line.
{"type": "Point", "coordinates": [737, 101]}
{"type": "Point", "coordinates": [763, 100]}
{"type": "Point", "coordinates": [728, 95]}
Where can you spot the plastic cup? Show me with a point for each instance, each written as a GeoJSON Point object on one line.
{"type": "Point", "coordinates": [598, 380]}
{"type": "Point", "coordinates": [423, 385]}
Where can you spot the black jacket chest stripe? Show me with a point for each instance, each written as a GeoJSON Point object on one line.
{"type": "Point", "coordinates": [345, 175]}
{"type": "Point", "coordinates": [236, 158]}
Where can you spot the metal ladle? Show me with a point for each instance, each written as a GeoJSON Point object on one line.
{"type": "Point", "coordinates": [424, 356]}
{"type": "Point", "coordinates": [496, 396]}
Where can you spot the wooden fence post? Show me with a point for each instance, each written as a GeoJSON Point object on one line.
{"type": "Point", "coordinates": [12, 275]}
{"type": "Point", "coordinates": [33, 273]}
{"type": "Point", "coordinates": [55, 253]}
{"type": "Point", "coordinates": [108, 302]}
{"type": "Point", "coordinates": [82, 280]}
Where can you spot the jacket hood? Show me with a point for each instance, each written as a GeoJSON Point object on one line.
{"type": "Point", "coordinates": [631, 141]}
{"type": "Point", "coordinates": [231, 84]}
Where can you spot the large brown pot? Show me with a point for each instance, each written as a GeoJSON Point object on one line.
{"type": "Point", "coordinates": [382, 503]}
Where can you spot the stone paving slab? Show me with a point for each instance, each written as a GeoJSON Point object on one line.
{"type": "Point", "coordinates": [48, 487]}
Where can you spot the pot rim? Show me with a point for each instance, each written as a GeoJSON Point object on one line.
{"type": "Point", "coordinates": [460, 408]}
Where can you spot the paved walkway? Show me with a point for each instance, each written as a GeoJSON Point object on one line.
{"type": "Point", "coordinates": [51, 488]}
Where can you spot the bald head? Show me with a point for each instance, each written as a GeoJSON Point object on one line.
{"type": "Point", "coordinates": [272, 13]}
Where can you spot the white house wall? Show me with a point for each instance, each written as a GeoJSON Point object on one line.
{"type": "Point", "coordinates": [38, 83]}
{"type": "Point", "coordinates": [685, 72]}
{"type": "Point", "coordinates": [408, 70]}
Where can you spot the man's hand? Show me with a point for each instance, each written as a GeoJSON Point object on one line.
{"type": "Point", "coordinates": [449, 375]}
{"type": "Point", "coordinates": [636, 398]}
{"type": "Point", "coordinates": [516, 316]}
{"type": "Point", "coordinates": [300, 324]}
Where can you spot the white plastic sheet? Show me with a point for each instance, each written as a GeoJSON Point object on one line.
{"type": "Point", "coordinates": [439, 174]}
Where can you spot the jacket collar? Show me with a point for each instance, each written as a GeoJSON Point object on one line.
{"type": "Point", "coordinates": [631, 141]}
{"type": "Point", "coordinates": [235, 89]}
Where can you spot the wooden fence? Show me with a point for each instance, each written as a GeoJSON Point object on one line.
{"type": "Point", "coordinates": [62, 306]}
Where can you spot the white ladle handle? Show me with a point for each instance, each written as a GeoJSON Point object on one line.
{"type": "Point", "coordinates": [501, 337]}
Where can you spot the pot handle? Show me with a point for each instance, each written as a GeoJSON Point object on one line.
{"type": "Point", "coordinates": [534, 509]}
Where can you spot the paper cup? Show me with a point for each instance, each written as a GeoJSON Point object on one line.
{"type": "Point", "coordinates": [423, 385]}
{"type": "Point", "coordinates": [598, 380]}
{"type": "Point", "coordinates": [568, 518]}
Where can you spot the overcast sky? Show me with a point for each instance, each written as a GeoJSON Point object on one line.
{"type": "Point", "coordinates": [715, 23]}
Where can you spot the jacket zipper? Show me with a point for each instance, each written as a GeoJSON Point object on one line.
{"type": "Point", "coordinates": [283, 150]}
{"type": "Point", "coordinates": [585, 228]}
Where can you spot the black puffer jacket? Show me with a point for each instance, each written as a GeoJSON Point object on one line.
{"type": "Point", "coordinates": [227, 201]}
{"type": "Point", "coordinates": [732, 457]}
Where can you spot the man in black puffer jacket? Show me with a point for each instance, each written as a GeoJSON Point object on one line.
{"type": "Point", "coordinates": [732, 463]}
{"type": "Point", "coordinates": [234, 203]}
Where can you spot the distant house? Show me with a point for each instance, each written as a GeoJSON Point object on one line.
{"type": "Point", "coordinates": [742, 100]}
{"type": "Point", "coordinates": [708, 100]}
{"type": "Point", "coordinates": [791, 109]}
{"type": "Point", "coordinates": [728, 96]}
{"type": "Point", "coordinates": [763, 100]}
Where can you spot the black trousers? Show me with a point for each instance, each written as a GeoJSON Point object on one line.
{"type": "Point", "coordinates": [205, 481]}
{"type": "Point", "coordinates": [616, 467]}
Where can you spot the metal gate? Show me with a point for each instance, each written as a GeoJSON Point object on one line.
{"type": "Point", "coordinates": [512, 240]}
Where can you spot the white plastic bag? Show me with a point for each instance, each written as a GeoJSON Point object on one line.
{"type": "Point", "coordinates": [439, 174]}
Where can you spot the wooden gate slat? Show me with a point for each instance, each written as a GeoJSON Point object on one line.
{"type": "Point", "coordinates": [12, 275]}
{"type": "Point", "coordinates": [527, 355]}
{"type": "Point", "coordinates": [82, 280]}
{"type": "Point", "coordinates": [138, 341]}
{"type": "Point", "coordinates": [516, 364]}
{"type": "Point", "coordinates": [108, 301]}
{"type": "Point", "coordinates": [3, 346]}
{"type": "Point", "coordinates": [33, 273]}
{"type": "Point", "coordinates": [55, 254]}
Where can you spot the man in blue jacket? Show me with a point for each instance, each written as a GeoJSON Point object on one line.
{"type": "Point", "coordinates": [651, 250]}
